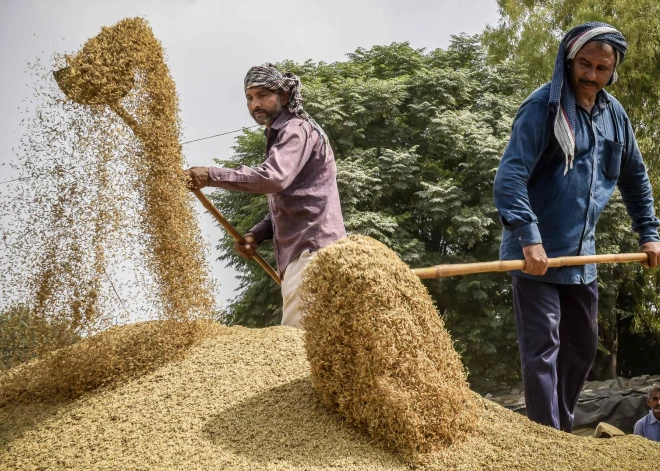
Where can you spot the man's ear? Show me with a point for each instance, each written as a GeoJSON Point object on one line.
{"type": "Point", "coordinates": [284, 97]}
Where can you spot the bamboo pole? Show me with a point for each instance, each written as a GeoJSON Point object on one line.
{"type": "Point", "coordinates": [440, 271]}
{"type": "Point", "coordinates": [234, 233]}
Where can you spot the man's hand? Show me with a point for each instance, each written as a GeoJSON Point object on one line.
{"type": "Point", "coordinates": [248, 248]}
{"type": "Point", "coordinates": [536, 261]}
{"type": "Point", "coordinates": [198, 177]}
{"type": "Point", "coordinates": [652, 249]}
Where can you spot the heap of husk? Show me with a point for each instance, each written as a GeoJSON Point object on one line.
{"type": "Point", "coordinates": [378, 351]}
{"type": "Point", "coordinates": [104, 196]}
{"type": "Point", "coordinates": [245, 401]}
{"type": "Point", "coordinates": [105, 359]}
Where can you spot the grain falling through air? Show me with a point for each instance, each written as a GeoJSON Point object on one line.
{"type": "Point", "coordinates": [103, 191]}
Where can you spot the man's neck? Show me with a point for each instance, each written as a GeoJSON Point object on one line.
{"type": "Point", "coordinates": [586, 102]}
{"type": "Point", "coordinates": [268, 126]}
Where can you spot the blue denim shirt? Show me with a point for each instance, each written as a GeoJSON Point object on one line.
{"type": "Point", "coordinates": [537, 203]}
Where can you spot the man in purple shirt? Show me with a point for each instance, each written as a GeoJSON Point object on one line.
{"type": "Point", "coordinates": [299, 176]}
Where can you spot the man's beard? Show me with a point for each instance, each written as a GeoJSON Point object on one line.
{"type": "Point", "coordinates": [267, 118]}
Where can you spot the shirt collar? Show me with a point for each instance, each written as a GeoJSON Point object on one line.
{"type": "Point", "coordinates": [284, 116]}
{"type": "Point", "coordinates": [603, 99]}
{"type": "Point", "coordinates": [652, 418]}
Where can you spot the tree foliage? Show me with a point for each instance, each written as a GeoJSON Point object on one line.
{"type": "Point", "coordinates": [417, 136]}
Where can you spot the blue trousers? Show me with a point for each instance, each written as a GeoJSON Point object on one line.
{"type": "Point", "coordinates": [557, 329]}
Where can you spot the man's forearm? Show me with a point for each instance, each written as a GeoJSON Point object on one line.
{"type": "Point", "coordinates": [263, 230]}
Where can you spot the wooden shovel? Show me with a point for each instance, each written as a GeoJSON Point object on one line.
{"type": "Point", "coordinates": [440, 271]}
{"type": "Point", "coordinates": [111, 97]}
{"type": "Point", "coordinates": [234, 233]}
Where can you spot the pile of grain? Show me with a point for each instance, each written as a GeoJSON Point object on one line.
{"type": "Point", "coordinates": [104, 196]}
{"type": "Point", "coordinates": [245, 401]}
{"type": "Point", "coordinates": [106, 359]}
{"type": "Point", "coordinates": [379, 352]}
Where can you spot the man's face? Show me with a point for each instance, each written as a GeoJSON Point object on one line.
{"type": "Point", "coordinates": [264, 106]}
{"type": "Point", "coordinates": [591, 69]}
{"type": "Point", "coordinates": [654, 403]}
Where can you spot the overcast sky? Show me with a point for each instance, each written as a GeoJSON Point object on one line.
{"type": "Point", "coordinates": [209, 47]}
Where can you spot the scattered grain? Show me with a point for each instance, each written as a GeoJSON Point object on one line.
{"type": "Point", "coordinates": [245, 401]}
{"type": "Point", "coordinates": [109, 199]}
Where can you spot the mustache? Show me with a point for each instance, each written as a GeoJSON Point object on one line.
{"type": "Point", "coordinates": [588, 82]}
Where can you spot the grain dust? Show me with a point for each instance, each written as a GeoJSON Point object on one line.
{"type": "Point", "coordinates": [102, 227]}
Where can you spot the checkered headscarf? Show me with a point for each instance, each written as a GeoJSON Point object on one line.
{"type": "Point", "coordinates": [269, 77]}
{"type": "Point", "coordinates": [562, 104]}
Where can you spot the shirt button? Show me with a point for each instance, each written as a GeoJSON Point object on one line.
{"type": "Point", "coordinates": [519, 238]}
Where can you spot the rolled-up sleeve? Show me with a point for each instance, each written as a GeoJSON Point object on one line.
{"type": "Point", "coordinates": [263, 230]}
{"type": "Point", "coordinates": [528, 139]}
{"type": "Point", "coordinates": [285, 160]}
{"type": "Point", "coordinates": [636, 190]}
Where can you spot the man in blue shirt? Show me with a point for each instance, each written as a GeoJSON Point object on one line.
{"type": "Point", "coordinates": [649, 425]}
{"type": "Point", "coordinates": [571, 144]}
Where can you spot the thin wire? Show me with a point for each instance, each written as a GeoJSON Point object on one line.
{"type": "Point", "coordinates": [82, 166]}
{"type": "Point", "coordinates": [115, 290]}
{"type": "Point", "coordinates": [218, 135]}
{"type": "Point", "coordinates": [17, 179]}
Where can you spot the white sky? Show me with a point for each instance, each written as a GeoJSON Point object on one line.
{"type": "Point", "coordinates": [209, 47]}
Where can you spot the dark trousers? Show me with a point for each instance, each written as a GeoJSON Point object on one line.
{"type": "Point", "coordinates": [557, 329]}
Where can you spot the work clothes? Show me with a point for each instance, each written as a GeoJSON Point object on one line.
{"type": "Point", "coordinates": [562, 104]}
{"type": "Point", "coordinates": [648, 427]}
{"type": "Point", "coordinates": [300, 178]}
{"type": "Point", "coordinates": [291, 313]}
{"type": "Point", "coordinates": [557, 328]}
{"type": "Point", "coordinates": [538, 203]}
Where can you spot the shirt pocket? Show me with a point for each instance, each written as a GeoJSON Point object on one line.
{"type": "Point", "coordinates": [611, 162]}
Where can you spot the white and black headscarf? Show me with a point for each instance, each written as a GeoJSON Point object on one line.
{"type": "Point", "coordinates": [562, 105]}
{"type": "Point", "coordinates": [269, 77]}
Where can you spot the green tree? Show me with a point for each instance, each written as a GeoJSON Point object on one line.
{"type": "Point", "coordinates": [528, 36]}
{"type": "Point", "coordinates": [417, 136]}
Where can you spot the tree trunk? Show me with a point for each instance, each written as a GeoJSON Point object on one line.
{"type": "Point", "coordinates": [604, 366]}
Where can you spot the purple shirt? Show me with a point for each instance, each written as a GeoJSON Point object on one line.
{"type": "Point", "coordinates": [300, 178]}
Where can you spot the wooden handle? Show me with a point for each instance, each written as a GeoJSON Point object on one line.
{"type": "Point", "coordinates": [132, 123]}
{"type": "Point", "coordinates": [234, 233]}
{"type": "Point", "coordinates": [440, 271]}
